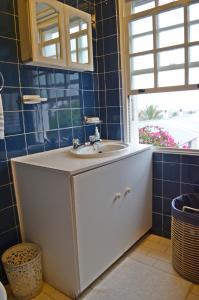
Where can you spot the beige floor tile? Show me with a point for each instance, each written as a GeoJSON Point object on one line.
{"type": "Point", "coordinates": [165, 267]}
{"type": "Point", "coordinates": [154, 245]}
{"type": "Point", "coordinates": [42, 296]}
{"type": "Point", "coordinates": [195, 289]}
{"type": "Point", "coordinates": [133, 280]}
{"type": "Point", "coordinates": [142, 257]}
{"type": "Point", "coordinates": [153, 238]}
{"type": "Point", "coordinates": [160, 255]}
{"type": "Point", "coordinates": [192, 297]}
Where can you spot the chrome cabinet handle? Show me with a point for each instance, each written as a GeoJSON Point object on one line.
{"type": "Point", "coordinates": [127, 191]}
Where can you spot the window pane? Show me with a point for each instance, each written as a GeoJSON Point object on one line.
{"type": "Point", "coordinates": [77, 24]}
{"type": "Point", "coordinates": [73, 44]}
{"type": "Point", "coordinates": [193, 53]}
{"type": "Point", "coordinates": [168, 119]}
{"type": "Point", "coordinates": [140, 5]}
{"type": "Point", "coordinates": [142, 81]}
{"type": "Point", "coordinates": [50, 51]}
{"type": "Point", "coordinates": [171, 57]}
{"type": "Point", "coordinates": [140, 26]}
{"type": "Point", "coordinates": [171, 37]}
{"type": "Point", "coordinates": [193, 12]}
{"type": "Point", "coordinates": [83, 41]}
{"type": "Point", "coordinates": [141, 43]}
{"type": "Point", "coordinates": [194, 36]}
{"type": "Point", "coordinates": [170, 18]}
{"type": "Point", "coordinates": [171, 78]}
{"type": "Point", "coordinates": [83, 57]}
{"type": "Point", "coordinates": [74, 57]}
{"type": "Point", "coordinates": [48, 34]}
{"type": "Point", "coordinates": [162, 2]}
{"type": "Point", "coordinates": [142, 62]}
{"type": "Point", "coordinates": [194, 75]}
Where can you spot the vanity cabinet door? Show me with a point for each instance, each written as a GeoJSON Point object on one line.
{"type": "Point", "coordinates": [113, 210]}
{"type": "Point", "coordinates": [47, 32]}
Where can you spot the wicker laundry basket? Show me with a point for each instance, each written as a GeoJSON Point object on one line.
{"type": "Point", "coordinates": [185, 236]}
{"type": "Point", "coordinates": [22, 264]}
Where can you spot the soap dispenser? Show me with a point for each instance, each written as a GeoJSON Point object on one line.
{"type": "Point", "coordinates": [97, 134]}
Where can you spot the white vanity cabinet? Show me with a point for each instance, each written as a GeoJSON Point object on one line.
{"type": "Point", "coordinates": [84, 220]}
{"type": "Point", "coordinates": [54, 34]}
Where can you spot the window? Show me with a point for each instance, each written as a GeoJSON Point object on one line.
{"type": "Point", "coordinates": [163, 71]}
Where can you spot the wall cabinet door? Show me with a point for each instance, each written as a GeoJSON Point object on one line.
{"type": "Point", "coordinates": [113, 210]}
{"type": "Point", "coordinates": [47, 32]}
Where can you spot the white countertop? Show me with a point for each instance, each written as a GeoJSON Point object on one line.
{"type": "Point", "coordinates": [62, 160]}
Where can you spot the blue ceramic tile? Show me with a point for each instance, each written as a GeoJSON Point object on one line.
{"type": "Point", "coordinates": [5, 196]}
{"type": "Point", "coordinates": [166, 226]}
{"type": "Point", "coordinates": [102, 98]}
{"type": "Point", "coordinates": [171, 171]}
{"type": "Point", "coordinates": [7, 218]}
{"type": "Point", "coordinates": [103, 114]}
{"type": "Point", "coordinates": [51, 139]}
{"type": "Point", "coordinates": [114, 132]}
{"type": "Point", "coordinates": [190, 174]}
{"type": "Point", "coordinates": [66, 137]}
{"type": "Point", "coordinates": [16, 146]}
{"type": "Point", "coordinates": [157, 187]}
{"type": "Point", "coordinates": [2, 150]}
{"type": "Point", "coordinates": [13, 123]}
{"type": "Point", "coordinates": [101, 78]}
{"type": "Point", "coordinates": [108, 9]}
{"type": "Point", "coordinates": [157, 223]}
{"type": "Point", "coordinates": [77, 117]}
{"type": "Point", "coordinates": [76, 98]}
{"type": "Point", "coordinates": [78, 133]}
{"type": "Point", "coordinates": [98, 12]}
{"type": "Point", "coordinates": [87, 81]}
{"type": "Point", "coordinates": [46, 78]}
{"type": "Point", "coordinates": [8, 239]}
{"type": "Point", "coordinates": [101, 64]}
{"type": "Point", "coordinates": [111, 62]}
{"type": "Point", "coordinates": [95, 82]}
{"type": "Point", "coordinates": [90, 112]}
{"type": "Point", "coordinates": [171, 189]}
{"type": "Point", "coordinates": [110, 44]}
{"type": "Point", "coordinates": [35, 142]}
{"type": "Point", "coordinates": [8, 50]}
{"type": "Point", "coordinates": [10, 74]}
{"type": "Point", "coordinates": [33, 121]}
{"type": "Point", "coordinates": [157, 156]}
{"type": "Point", "coordinates": [63, 98]}
{"type": "Point", "coordinates": [100, 47]}
{"type": "Point", "coordinates": [109, 27]}
{"type": "Point", "coordinates": [89, 98]}
{"type": "Point", "coordinates": [167, 206]}
{"type": "Point", "coordinates": [65, 118]}
{"type": "Point", "coordinates": [29, 76]}
{"type": "Point", "coordinates": [104, 131]}
{"type": "Point", "coordinates": [157, 170]}
{"type": "Point", "coordinates": [113, 97]}
{"type": "Point", "coordinates": [190, 159]}
{"type": "Point", "coordinates": [7, 26]}
{"type": "Point", "coordinates": [7, 6]}
{"type": "Point", "coordinates": [113, 115]}
{"type": "Point", "coordinates": [157, 204]}
{"type": "Point", "coordinates": [112, 80]}
{"type": "Point", "coordinates": [11, 99]}
{"type": "Point", "coordinates": [99, 29]}
{"type": "Point", "coordinates": [189, 188]}
{"type": "Point", "coordinates": [62, 79]}
{"type": "Point", "coordinates": [50, 119]}
{"type": "Point", "coordinates": [4, 176]}
{"type": "Point", "coordinates": [51, 96]}
{"type": "Point", "coordinates": [175, 158]}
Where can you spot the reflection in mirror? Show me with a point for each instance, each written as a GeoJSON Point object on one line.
{"type": "Point", "coordinates": [48, 31]}
{"type": "Point", "coordinates": [79, 50]}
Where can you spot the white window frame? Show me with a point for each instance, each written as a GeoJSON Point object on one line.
{"type": "Point", "coordinates": [124, 7]}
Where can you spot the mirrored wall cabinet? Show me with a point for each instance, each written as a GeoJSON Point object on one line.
{"type": "Point", "coordinates": [54, 34]}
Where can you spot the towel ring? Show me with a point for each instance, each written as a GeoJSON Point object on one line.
{"type": "Point", "coordinates": [2, 82]}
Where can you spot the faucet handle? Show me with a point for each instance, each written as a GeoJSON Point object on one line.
{"type": "Point", "coordinates": [91, 138]}
{"type": "Point", "coordinates": [75, 143]}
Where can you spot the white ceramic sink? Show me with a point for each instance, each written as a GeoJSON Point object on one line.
{"type": "Point", "coordinates": [3, 295]}
{"type": "Point", "coordinates": [100, 150]}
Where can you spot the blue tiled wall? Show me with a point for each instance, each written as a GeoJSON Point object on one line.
{"type": "Point", "coordinates": [71, 95]}
{"type": "Point", "coordinates": [173, 175]}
